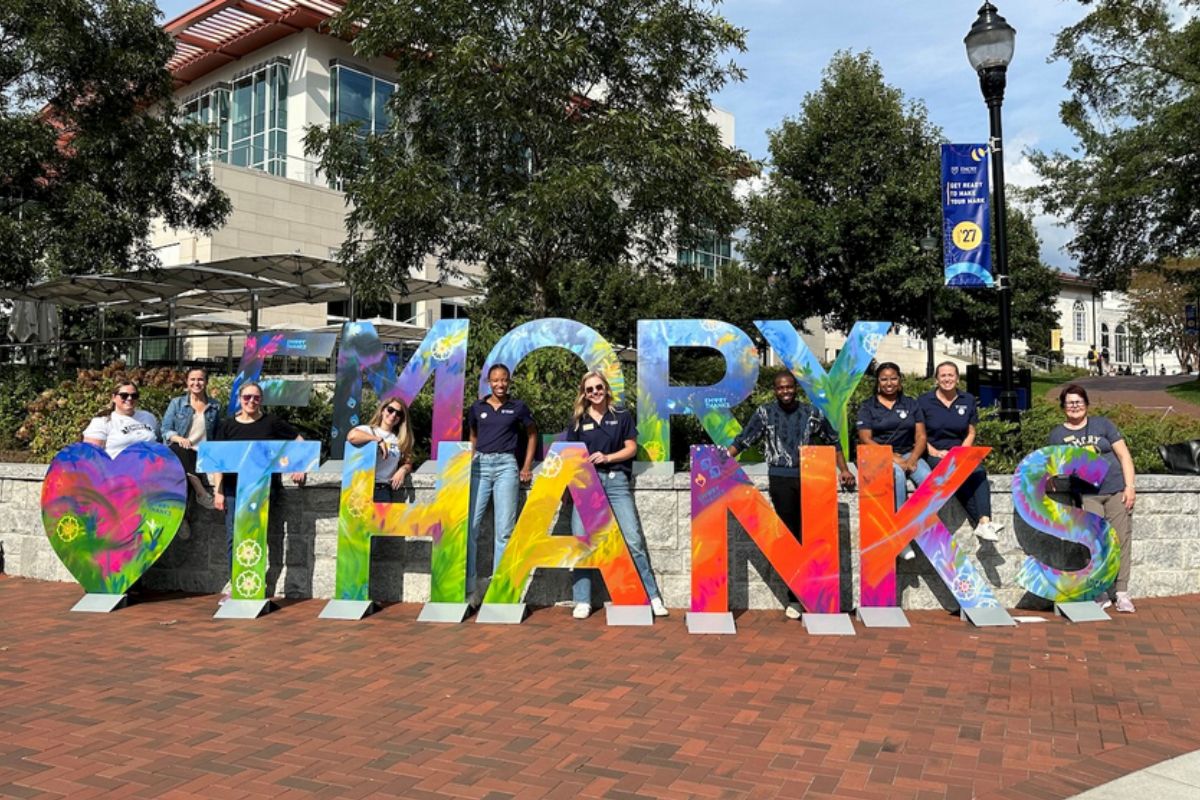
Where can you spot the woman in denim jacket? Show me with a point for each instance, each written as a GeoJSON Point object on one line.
{"type": "Point", "coordinates": [188, 421]}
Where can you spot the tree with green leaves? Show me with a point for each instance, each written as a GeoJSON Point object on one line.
{"type": "Point", "coordinates": [1158, 297]}
{"type": "Point", "coordinates": [1129, 190]}
{"type": "Point", "coordinates": [542, 139]}
{"type": "Point", "coordinates": [853, 187]}
{"type": "Point", "coordinates": [84, 169]}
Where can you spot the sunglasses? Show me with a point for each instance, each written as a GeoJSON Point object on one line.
{"type": "Point", "coordinates": [392, 410]}
{"type": "Point", "coordinates": [128, 395]}
{"type": "Point", "coordinates": [252, 398]}
{"type": "Point", "coordinates": [594, 389]}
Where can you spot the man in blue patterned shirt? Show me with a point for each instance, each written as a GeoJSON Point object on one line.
{"type": "Point", "coordinates": [788, 425]}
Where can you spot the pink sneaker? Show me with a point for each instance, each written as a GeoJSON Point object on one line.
{"type": "Point", "coordinates": [1125, 603]}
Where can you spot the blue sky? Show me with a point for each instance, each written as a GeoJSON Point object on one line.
{"type": "Point", "coordinates": [919, 46]}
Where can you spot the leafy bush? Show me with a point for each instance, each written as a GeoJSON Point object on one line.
{"type": "Point", "coordinates": [57, 416]}
{"type": "Point", "coordinates": [19, 385]}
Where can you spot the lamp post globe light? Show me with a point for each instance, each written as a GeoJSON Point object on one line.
{"type": "Point", "coordinates": [990, 44]}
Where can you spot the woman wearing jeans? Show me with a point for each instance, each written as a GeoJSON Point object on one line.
{"type": "Point", "coordinates": [611, 443]}
{"type": "Point", "coordinates": [495, 423]}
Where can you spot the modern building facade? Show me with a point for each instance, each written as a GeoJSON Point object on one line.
{"type": "Point", "coordinates": [261, 72]}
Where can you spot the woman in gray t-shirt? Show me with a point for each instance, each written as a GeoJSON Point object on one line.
{"type": "Point", "coordinates": [1113, 499]}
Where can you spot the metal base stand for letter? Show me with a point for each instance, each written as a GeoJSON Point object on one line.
{"type": "Point", "coordinates": [501, 614]}
{"type": "Point", "coordinates": [443, 612]}
{"type": "Point", "coordinates": [1083, 611]}
{"type": "Point", "coordinates": [988, 617]}
{"type": "Point", "coordinates": [626, 616]}
{"type": "Point", "coordinates": [883, 617]}
{"type": "Point", "coordinates": [710, 622]}
{"type": "Point", "coordinates": [242, 609]}
{"type": "Point", "coordinates": [827, 624]}
{"type": "Point", "coordinates": [347, 609]}
{"type": "Point", "coordinates": [97, 603]}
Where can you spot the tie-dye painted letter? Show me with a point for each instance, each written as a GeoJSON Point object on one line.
{"type": "Point", "coordinates": [1071, 524]}
{"type": "Point", "coordinates": [658, 401]}
{"type": "Point", "coordinates": [883, 533]}
{"type": "Point", "coordinates": [255, 463]}
{"type": "Point", "coordinates": [442, 354]}
{"type": "Point", "coordinates": [829, 391]}
{"type": "Point", "coordinates": [270, 344]}
{"type": "Point", "coordinates": [811, 570]}
{"type": "Point", "coordinates": [601, 545]}
{"type": "Point", "coordinates": [592, 348]}
{"type": "Point", "coordinates": [444, 519]}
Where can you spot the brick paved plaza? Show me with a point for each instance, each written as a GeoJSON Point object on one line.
{"type": "Point", "coordinates": [159, 700]}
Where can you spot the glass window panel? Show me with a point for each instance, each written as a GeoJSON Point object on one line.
{"type": "Point", "coordinates": [241, 109]}
{"type": "Point", "coordinates": [383, 116]}
{"type": "Point", "coordinates": [354, 96]}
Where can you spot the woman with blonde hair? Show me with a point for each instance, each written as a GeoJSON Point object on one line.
{"type": "Point", "coordinates": [611, 439]}
{"type": "Point", "coordinates": [390, 430]}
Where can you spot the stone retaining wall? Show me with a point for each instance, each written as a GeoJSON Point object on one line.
{"type": "Point", "coordinates": [303, 545]}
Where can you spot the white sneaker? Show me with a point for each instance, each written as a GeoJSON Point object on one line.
{"type": "Point", "coordinates": [658, 607]}
{"type": "Point", "coordinates": [792, 611]}
{"type": "Point", "coordinates": [582, 611]}
{"type": "Point", "coordinates": [988, 531]}
{"type": "Point", "coordinates": [907, 553]}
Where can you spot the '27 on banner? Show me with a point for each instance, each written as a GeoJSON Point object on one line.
{"type": "Point", "coordinates": [966, 232]}
{"type": "Point", "coordinates": [109, 519]}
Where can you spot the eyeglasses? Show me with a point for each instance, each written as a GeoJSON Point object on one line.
{"type": "Point", "coordinates": [1075, 404]}
{"type": "Point", "coordinates": [252, 398]}
{"type": "Point", "coordinates": [128, 395]}
{"type": "Point", "coordinates": [392, 410]}
{"type": "Point", "coordinates": [598, 389]}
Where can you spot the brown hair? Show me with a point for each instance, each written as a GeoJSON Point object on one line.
{"type": "Point", "coordinates": [403, 430]}
{"type": "Point", "coordinates": [112, 406]}
{"type": "Point", "coordinates": [1072, 388]}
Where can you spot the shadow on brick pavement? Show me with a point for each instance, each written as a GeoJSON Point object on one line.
{"type": "Point", "coordinates": [159, 700]}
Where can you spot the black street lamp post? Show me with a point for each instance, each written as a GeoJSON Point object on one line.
{"type": "Point", "coordinates": [990, 45]}
{"type": "Point", "coordinates": [928, 244]}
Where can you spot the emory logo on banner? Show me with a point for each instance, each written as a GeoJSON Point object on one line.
{"type": "Point", "coordinates": [965, 228]}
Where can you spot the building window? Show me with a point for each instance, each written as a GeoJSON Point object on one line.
{"type": "Point", "coordinates": [1079, 321]}
{"type": "Point", "coordinates": [258, 129]}
{"type": "Point", "coordinates": [212, 109]}
{"type": "Point", "coordinates": [1103, 335]}
{"type": "Point", "coordinates": [356, 96]}
{"type": "Point", "coordinates": [454, 311]}
{"type": "Point", "coordinates": [339, 311]}
{"type": "Point", "coordinates": [708, 255]}
{"type": "Point", "coordinates": [1122, 344]}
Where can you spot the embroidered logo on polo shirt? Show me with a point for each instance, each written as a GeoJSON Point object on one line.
{"type": "Point", "coordinates": [507, 411]}
{"type": "Point", "coordinates": [962, 411]}
{"type": "Point", "coordinates": [483, 415]}
{"type": "Point", "coordinates": [902, 414]}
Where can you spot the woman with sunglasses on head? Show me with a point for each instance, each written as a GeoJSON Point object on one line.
{"type": "Point", "coordinates": [123, 423]}
{"type": "Point", "coordinates": [188, 421]}
{"type": "Point", "coordinates": [890, 417]}
{"type": "Point", "coordinates": [1113, 499]}
{"type": "Point", "coordinates": [611, 439]}
{"type": "Point", "coordinates": [249, 424]}
{"type": "Point", "coordinates": [388, 429]}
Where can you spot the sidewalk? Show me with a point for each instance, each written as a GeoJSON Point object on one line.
{"type": "Point", "coordinates": [159, 700]}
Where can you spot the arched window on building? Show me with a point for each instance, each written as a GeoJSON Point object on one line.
{"type": "Point", "coordinates": [1079, 321]}
{"type": "Point", "coordinates": [1122, 344]}
{"type": "Point", "coordinates": [1103, 335]}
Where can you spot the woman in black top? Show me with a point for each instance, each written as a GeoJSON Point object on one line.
{"type": "Point", "coordinates": [248, 425]}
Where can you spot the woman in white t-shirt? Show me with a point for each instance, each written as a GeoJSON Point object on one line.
{"type": "Point", "coordinates": [389, 428]}
{"type": "Point", "coordinates": [124, 423]}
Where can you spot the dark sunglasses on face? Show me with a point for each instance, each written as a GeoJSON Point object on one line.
{"type": "Point", "coordinates": [392, 410]}
{"type": "Point", "coordinates": [128, 395]}
{"type": "Point", "coordinates": [252, 398]}
{"type": "Point", "coordinates": [593, 390]}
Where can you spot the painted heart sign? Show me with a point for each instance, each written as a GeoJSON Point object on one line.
{"type": "Point", "coordinates": [110, 519]}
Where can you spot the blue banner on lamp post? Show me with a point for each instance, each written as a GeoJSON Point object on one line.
{"type": "Point", "coordinates": [966, 229]}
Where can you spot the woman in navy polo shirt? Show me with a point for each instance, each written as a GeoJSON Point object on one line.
{"type": "Point", "coordinates": [496, 422]}
{"type": "Point", "coordinates": [950, 420]}
{"type": "Point", "coordinates": [893, 418]}
{"type": "Point", "coordinates": [611, 439]}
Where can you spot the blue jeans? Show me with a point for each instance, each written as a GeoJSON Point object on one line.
{"type": "Point", "coordinates": [919, 474]}
{"type": "Point", "coordinates": [616, 487]}
{"type": "Point", "coordinates": [493, 476]}
{"type": "Point", "coordinates": [975, 494]}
